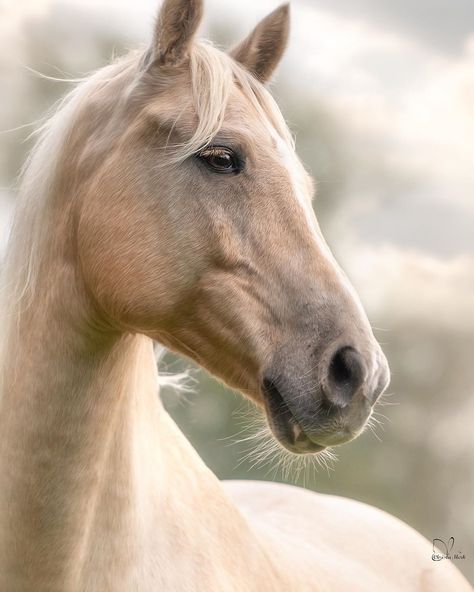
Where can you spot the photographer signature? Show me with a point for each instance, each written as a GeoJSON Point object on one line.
{"type": "Point", "coordinates": [446, 550]}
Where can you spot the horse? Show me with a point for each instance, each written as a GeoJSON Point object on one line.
{"type": "Point", "coordinates": [164, 202]}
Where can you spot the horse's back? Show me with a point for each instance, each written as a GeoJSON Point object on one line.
{"type": "Point", "coordinates": [333, 544]}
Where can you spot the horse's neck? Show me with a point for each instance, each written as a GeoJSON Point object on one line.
{"type": "Point", "coordinates": [98, 488]}
{"type": "Point", "coordinates": [62, 412]}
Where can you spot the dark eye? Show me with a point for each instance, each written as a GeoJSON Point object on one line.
{"type": "Point", "coordinates": [220, 159]}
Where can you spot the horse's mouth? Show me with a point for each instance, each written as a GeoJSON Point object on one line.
{"type": "Point", "coordinates": [284, 425]}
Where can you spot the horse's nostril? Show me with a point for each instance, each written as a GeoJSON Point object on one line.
{"type": "Point", "coordinates": [345, 375]}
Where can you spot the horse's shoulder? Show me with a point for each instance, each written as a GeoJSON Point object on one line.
{"type": "Point", "coordinates": [349, 537]}
{"type": "Point", "coordinates": [323, 511]}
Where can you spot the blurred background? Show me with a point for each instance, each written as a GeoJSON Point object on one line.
{"type": "Point", "coordinates": [380, 96]}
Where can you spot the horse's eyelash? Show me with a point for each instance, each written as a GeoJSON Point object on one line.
{"type": "Point", "coordinates": [213, 151]}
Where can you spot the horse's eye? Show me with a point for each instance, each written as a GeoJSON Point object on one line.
{"type": "Point", "coordinates": [220, 159]}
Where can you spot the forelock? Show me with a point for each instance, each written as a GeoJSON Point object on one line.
{"type": "Point", "coordinates": [214, 74]}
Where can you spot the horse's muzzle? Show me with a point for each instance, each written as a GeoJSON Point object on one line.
{"type": "Point", "coordinates": [327, 404]}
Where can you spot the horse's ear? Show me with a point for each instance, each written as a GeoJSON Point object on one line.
{"type": "Point", "coordinates": [262, 50]}
{"type": "Point", "coordinates": [175, 28]}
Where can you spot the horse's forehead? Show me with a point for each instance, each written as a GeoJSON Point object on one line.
{"type": "Point", "coordinates": [240, 113]}
{"type": "Point", "coordinates": [176, 103]}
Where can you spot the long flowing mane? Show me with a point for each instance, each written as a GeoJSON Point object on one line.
{"type": "Point", "coordinates": [213, 76]}
{"type": "Point", "coordinates": [31, 226]}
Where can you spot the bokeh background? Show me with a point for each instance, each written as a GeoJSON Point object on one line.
{"type": "Point", "coordinates": [380, 96]}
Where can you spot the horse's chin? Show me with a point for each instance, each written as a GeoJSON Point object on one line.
{"type": "Point", "coordinates": [290, 432]}
{"type": "Point", "coordinates": [301, 445]}
{"type": "Point", "coordinates": [286, 428]}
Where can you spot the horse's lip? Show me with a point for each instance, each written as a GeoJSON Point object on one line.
{"type": "Point", "coordinates": [287, 428]}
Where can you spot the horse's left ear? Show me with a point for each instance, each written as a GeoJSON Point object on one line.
{"type": "Point", "coordinates": [175, 28]}
{"type": "Point", "coordinates": [262, 50]}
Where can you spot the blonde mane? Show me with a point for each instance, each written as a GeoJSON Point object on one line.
{"type": "Point", "coordinates": [213, 76]}
{"type": "Point", "coordinates": [30, 228]}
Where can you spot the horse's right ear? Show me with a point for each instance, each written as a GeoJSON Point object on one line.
{"type": "Point", "coordinates": [177, 23]}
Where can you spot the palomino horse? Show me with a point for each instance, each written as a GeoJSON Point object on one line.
{"type": "Point", "coordinates": [164, 201]}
